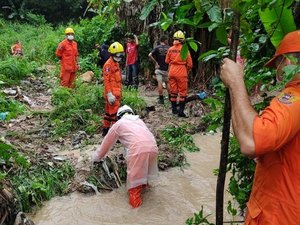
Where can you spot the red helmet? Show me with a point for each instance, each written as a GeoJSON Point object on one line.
{"type": "Point", "coordinates": [289, 44]}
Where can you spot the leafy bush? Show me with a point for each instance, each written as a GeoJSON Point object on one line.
{"type": "Point", "coordinates": [9, 156]}
{"type": "Point", "coordinates": [198, 219]}
{"type": "Point", "coordinates": [12, 107]}
{"type": "Point", "coordinates": [178, 138]}
{"type": "Point", "coordinates": [77, 109]}
{"type": "Point", "coordinates": [242, 170]}
{"type": "Point", "coordinates": [13, 70]}
{"type": "Point", "coordinates": [131, 98]}
{"type": "Point", "coordinates": [40, 183]}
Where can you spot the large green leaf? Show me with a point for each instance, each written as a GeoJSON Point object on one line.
{"type": "Point", "coordinates": [147, 9]}
{"type": "Point", "coordinates": [278, 21]}
{"type": "Point", "coordinates": [193, 45]}
{"type": "Point", "coordinates": [222, 35]}
{"type": "Point", "coordinates": [184, 51]}
{"type": "Point", "coordinates": [183, 10]}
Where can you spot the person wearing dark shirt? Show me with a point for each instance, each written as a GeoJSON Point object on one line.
{"type": "Point", "coordinates": [158, 56]}
{"type": "Point", "coordinates": [103, 54]}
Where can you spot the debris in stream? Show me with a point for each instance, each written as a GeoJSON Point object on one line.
{"type": "Point", "coordinates": [102, 176]}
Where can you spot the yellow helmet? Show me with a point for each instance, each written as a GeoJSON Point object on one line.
{"type": "Point", "coordinates": [115, 47]}
{"type": "Point", "coordinates": [179, 35]}
{"type": "Point", "coordinates": [69, 30]}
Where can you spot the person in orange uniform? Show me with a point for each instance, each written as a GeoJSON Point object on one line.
{"type": "Point", "coordinates": [112, 85]}
{"type": "Point", "coordinates": [16, 49]}
{"type": "Point", "coordinates": [272, 137]}
{"type": "Point", "coordinates": [178, 74]}
{"type": "Point", "coordinates": [67, 52]}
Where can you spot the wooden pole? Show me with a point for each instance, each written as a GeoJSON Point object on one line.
{"type": "Point", "coordinates": [226, 127]}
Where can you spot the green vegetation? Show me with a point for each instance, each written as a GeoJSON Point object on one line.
{"type": "Point", "coordinates": [77, 109]}
{"type": "Point", "coordinates": [41, 182]}
{"type": "Point", "coordinates": [10, 107]}
{"type": "Point", "coordinates": [34, 181]}
{"type": "Point", "coordinates": [198, 219]}
{"type": "Point", "coordinates": [178, 138]}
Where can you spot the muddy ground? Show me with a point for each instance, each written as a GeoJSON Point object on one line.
{"type": "Point", "coordinates": [32, 132]}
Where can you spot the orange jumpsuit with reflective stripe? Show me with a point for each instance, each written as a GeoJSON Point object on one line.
{"type": "Point", "coordinates": [112, 83]}
{"type": "Point", "coordinates": [178, 72]}
{"type": "Point", "coordinates": [67, 52]}
{"type": "Point", "coordinates": [275, 196]}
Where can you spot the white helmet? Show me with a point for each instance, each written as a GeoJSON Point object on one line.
{"type": "Point", "coordinates": [124, 109]}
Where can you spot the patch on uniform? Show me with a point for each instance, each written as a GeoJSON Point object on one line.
{"type": "Point", "coordinates": [107, 69]}
{"type": "Point", "coordinates": [287, 98]}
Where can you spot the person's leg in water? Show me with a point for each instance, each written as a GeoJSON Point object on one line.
{"type": "Point", "coordinates": [135, 199]}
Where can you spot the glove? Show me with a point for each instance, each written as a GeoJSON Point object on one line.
{"type": "Point", "coordinates": [95, 158]}
{"type": "Point", "coordinates": [202, 95]}
{"type": "Point", "coordinates": [111, 98]}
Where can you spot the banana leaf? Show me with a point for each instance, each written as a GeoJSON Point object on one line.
{"type": "Point", "coordinates": [278, 21]}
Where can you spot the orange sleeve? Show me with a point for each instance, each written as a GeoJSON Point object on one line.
{"type": "Point", "coordinates": [189, 61]}
{"type": "Point", "coordinates": [277, 125]}
{"type": "Point", "coordinates": [59, 50]}
{"type": "Point", "coordinates": [107, 69]}
{"type": "Point", "coordinates": [167, 60]}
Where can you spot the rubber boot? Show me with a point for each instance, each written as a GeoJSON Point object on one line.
{"type": "Point", "coordinates": [105, 131]}
{"type": "Point", "coordinates": [135, 199]}
{"type": "Point", "coordinates": [181, 109]}
{"type": "Point", "coordinates": [174, 108]}
{"type": "Point", "coordinates": [161, 100]}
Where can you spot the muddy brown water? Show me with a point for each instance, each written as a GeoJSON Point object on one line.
{"type": "Point", "coordinates": [173, 198]}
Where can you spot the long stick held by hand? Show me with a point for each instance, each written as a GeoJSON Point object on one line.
{"type": "Point", "coordinates": [226, 127]}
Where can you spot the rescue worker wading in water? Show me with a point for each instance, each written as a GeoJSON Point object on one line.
{"type": "Point", "coordinates": [141, 152]}
{"type": "Point", "coordinates": [67, 52]}
{"type": "Point", "coordinates": [178, 74]}
{"type": "Point", "coordinates": [112, 79]}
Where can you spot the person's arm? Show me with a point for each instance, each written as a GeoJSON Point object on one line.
{"type": "Point", "coordinates": [153, 59]}
{"type": "Point", "coordinates": [189, 62]}
{"type": "Point", "coordinates": [12, 49]}
{"type": "Point", "coordinates": [136, 39]}
{"type": "Point", "coordinates": [108, 142]}
{"type": "Point", "coordinates": [59, 51]}
{"type": "Point", "coordinates": [243, 114]}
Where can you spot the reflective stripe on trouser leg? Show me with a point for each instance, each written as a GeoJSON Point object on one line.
{"type": "Point", "coordinates": [110, 113]}
{"type": "Point", "coordinates": [182, 88]}
{"type": "Point", "coordinates": [173, 88]}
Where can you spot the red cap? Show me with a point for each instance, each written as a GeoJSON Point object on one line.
{"type": "Point", "coordinates": [290, 43]}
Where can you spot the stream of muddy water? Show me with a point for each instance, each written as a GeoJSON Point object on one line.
{"type": "Point", "coordinates": [173, 198]}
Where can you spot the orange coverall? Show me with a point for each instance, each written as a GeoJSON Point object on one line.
{"type": "Point", "coordinates": [17, 49]}
{"type": "Point", "coordinates": [178, 73]}
{"type": "Point", "coordinates": [67, 52]}
{"type": "Point", "coordinates": [112, 83]}
{"type": "Point", "coordinates": [275, 196]}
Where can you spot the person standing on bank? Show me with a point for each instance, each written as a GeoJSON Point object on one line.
{"type": "Point", "coordinates": [67, 52]}
{"type": "Point", "coordinates": [158, 56]}
{"type": "Point", "coordinates": [178, 74]}
{"type": "Point", "coordinates": [112, 79]}
{"type": "Point", "coordinates": [131, 60]}
{"type": "Point", "coordinates": [272, 137]}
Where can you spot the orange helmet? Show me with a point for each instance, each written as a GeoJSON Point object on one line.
{"type": "Point", "coordinates": [289, 44]}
